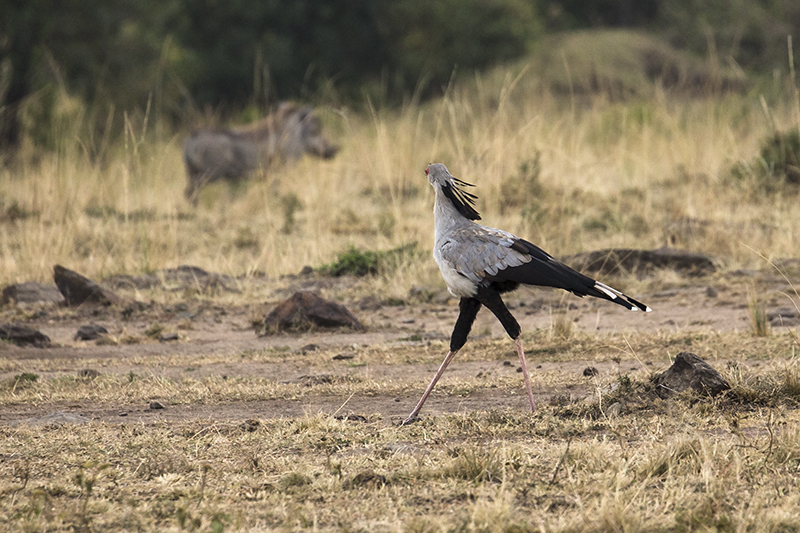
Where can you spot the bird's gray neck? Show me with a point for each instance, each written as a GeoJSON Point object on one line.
{"type": "Point", "coordinates": [445, 216]}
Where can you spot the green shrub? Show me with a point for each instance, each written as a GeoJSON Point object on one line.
{"type": "Point", "coordinates": [356, 262]}
{"type": "Point", "coordinates": [780, 156]}
{"type": "Point", "coordinates": [777, 164]}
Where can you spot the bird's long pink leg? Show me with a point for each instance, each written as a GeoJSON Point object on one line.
{"type": "Point", "coordinates": [439, 373]}
{"type": "Point", "coordinates": [524, 366]}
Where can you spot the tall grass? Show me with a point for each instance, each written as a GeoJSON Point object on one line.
{"type": "Point", "coordinates": [569, 174]}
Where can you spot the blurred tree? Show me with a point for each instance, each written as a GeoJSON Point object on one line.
{"type": "Point", "coordinates": [288, 46]}
{"type": "Point", "coordinates": [304, 44]}
{"type": "Point", "coordinates": [430, 39]}
{"type": "Point", "coordinates": [98, 49]}
{"type": "Point", "coordinates": [575, 14]}
{"type": "Point", "coordinates": [227, 54]}
{"type": "Point", "coordinates": [753, 33]}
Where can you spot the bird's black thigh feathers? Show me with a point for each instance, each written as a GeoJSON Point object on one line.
{"type": "Point", "coordinates": [490, 297]}
{"type": "Point", "coordinates": [469, 308]}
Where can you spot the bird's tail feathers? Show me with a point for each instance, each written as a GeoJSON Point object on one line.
{"type": "Point", "coordinates": [612, 294]}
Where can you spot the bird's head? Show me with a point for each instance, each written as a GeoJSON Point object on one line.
{"type": "Point", "coordinates": [440, 178]}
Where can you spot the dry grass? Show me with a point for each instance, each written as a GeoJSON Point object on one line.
{"type": "Point", "coordinates": [570, 175]}
{"type": "Point", "coordinates": [678, 465]}
{"type": "Point", "coordinates": [665, 466]}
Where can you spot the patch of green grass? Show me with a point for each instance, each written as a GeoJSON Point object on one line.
{"type": "Point", "coordinates": [357, 262]}
{"type": "Point", "coordinates": [26, 376]}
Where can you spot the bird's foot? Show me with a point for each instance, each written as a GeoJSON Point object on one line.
{"type": "Point", "coordinates": [411, 420]}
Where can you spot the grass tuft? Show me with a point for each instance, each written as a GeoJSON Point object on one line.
{"type": "Point", "coordinates": [758, 315]}
{"type": "Point", "coordinates": [475, 465]}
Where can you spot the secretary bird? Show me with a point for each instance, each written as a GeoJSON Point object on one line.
{"type": "Point", "coordinates": [479, 263]}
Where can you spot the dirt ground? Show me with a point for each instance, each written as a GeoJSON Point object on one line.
{"type": "Point", "coordinates": [214, 338]}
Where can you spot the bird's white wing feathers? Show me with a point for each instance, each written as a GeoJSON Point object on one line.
{"type": "Point", "coordinates": [477, 251]}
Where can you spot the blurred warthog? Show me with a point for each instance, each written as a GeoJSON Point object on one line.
{"type": "Point", "coordinates": [231, 154]}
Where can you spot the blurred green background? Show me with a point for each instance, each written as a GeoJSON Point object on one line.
{"type": "Point", "coordinates": [179, 59]}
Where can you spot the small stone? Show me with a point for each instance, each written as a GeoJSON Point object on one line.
{"type": "Point", "coordinates": [78, 290]}
{"type": "Point", "coordinates": [351, 418]}
{"type": "Point", "coordinates": [54, 419]}
{"type": "Point", "coordinates": [688, 371]}
{"type": "Point", "coordinates": [90, 332]}
{"type": "Point", "coordinates": [782, 312]}
{"type": "Point", "coordinates": [23, 335]}
{"type": "Point", "coordinates": [506, 363]}
{"type": "Point", "coordinates": [305, 310]}
{"type": "Point", "coordinates": [31, 292]}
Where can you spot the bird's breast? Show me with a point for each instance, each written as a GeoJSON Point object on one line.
{"type": "Point", "coordinates": [458, 284]}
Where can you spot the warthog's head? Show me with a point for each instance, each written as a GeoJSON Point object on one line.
{"type": "Point", "coordinates": [302, 133]}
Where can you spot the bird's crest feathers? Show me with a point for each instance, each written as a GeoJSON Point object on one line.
{"type": "Point", "coordinates": [462, 200]}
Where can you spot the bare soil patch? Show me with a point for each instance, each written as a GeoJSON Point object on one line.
{"type": "Point", "coordinates": [213, 338]}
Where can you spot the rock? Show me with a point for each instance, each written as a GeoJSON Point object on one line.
{"type": "Point", "coordinates": [616, 260]}
{"type": "Point", "coordinates": [31, 292]}
{"type": "Point", "coordinates": [181, 278]}
{"type": "Point", "coordinates": [23, 335]}
{"type": "Point", "coordinates": [784, 316]}
{"type": "Point", "coordinates": [78, 290]}
{"type": "Point", "coordinates": [688, 371]}
{"type": "Point", "coordinates": [90, 332]}
{"type": "Point", "coordinates": [305, 310]}
{"type": "Point", "coordinates": [55, 419]}
{"type": "Point", "coordinates": [126, 281]}
{"type": "Point", "coordinates": [351, 418]}
{"type": "Point", "coordinates": [192, 277]}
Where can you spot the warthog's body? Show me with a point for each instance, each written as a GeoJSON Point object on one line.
{"type": "Point", "coordinates": [231, 154]}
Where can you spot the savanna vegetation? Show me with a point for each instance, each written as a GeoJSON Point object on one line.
{"type": "Point", "coordinates": [621, 124]}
